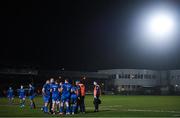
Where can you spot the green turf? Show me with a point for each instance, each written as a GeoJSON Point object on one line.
{"type": "Point", "coordinates": [112, 106]}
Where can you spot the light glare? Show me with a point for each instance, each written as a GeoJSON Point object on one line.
{"type": "Point", "coordinates": [160, 25]}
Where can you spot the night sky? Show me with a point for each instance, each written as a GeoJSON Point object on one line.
{"type": "Point", "coordinates": [76, 35]}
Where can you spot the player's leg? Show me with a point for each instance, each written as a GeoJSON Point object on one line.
{"type": "Point", "coordinates": [61, 110]}
{"type": "Point", "coordinates": [46, 107]}
{"type": "Point", "coordinates": [46, 102]}
{"type": "Point", "coordinates": [67, 107]}
{"type": "Point", "coordinates": [12, 98]}
{"type": "Point", "coordinates": [67, 104]}
{"type": "Point", "coordinates": [96, 105]}
{"type": "Point", "coordinates": [82, 105]}
{"type": "Point", "coordinates": [78, 104]}
{"type": "Point", "coordinates": [32, 104]}
{"type": "Point", "coordinates": [20, 101]}
{"type": "Point", "coordinates": [53, 105]}
{"type": "Point", "coordinates": [57, 105]}
{"type": "Point", "coordinates": [23, 101]}
{"type": "Point", "coordinates": [9, 99]}
{"type": "Point", "coordinates": [74, 104]}
{"type": "Point", "coordinates": [50, 103]}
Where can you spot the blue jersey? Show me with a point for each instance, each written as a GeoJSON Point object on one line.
{"type": "Point", "coordinates": [31, 91]}
{"type": "Point", "coordinates": [47, 89]}
{"type": "Point", "coordinates": [10, 92]}
{"type": "Point", "coordinates": [66, 88]}
{"type": "Point", "coordinates": [21, 92]}
{"type": "Point", "coordinates": [74, 90]}
{"type": "Point", "coordinates": [78, 90]}
{"type": "Point", "coordinates": [55, 88]}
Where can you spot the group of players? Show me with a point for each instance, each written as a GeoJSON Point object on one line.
{"type": "Point", "coordinates": [58, 97]}
{"type": "Point", "coordinates": [63, 98]}
{"type": "Point", "coordinates": [22, 95]}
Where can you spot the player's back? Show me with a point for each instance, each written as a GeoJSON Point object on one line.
{"type": "Point", "coordinates": [55, 88]}
{"type": "Point", "coordinates": [31, 90]}
{"type": "Point", "coordinates": [66, 88]}
{"type": "Point", "coordinates": [47, 89]}
{"type": "Point", "coordinates": [74, 90]}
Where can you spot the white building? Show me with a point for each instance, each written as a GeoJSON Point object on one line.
{"type": "Point", "coordinates": [150, 80]}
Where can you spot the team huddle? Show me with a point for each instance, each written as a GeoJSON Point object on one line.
{"type": "Point", "coordinates": [64, 98]}
{"type": "Point", "coordinates": [58, 97]}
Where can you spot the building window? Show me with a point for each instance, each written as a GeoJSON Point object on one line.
{"type": "Point", "coordinates": [113, 76]}
{"type": "Point", "coordinates": [135, 76]}
{"type": "Point", "coordinates": [129, 76]}
{"type": "Point", "coordinates": [178, 76]}
{"type": "Point", "coordinates": [172, 76]}
{"type": "Point", "coordinates": [146, 76]}
{"type": "Point", "coordinates": [126, 76]}
{"type": "Point", "coordinates": [120, 76]}
{"type": "Point", "coordinates": [149, 76]}
{"type": "Point", "coordinates": [141, 76]}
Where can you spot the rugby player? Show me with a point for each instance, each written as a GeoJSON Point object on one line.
{"type": "Point", "coordinates": [65, 97]}
{"type": "Point", "coordinates": [55, 89]}
{"type": "Point", "coordinates": [31, 93]}
{"type": "Point", "coordinates": [22, 96]}
{"type": "Point", "coordinates": [74, 97]}
{"type": "Point", "coordinates": [46, 95]}
{"type": "Point", "coordinates": [10, 95]}
{"type": "Point", "coordinates": [97, 93]}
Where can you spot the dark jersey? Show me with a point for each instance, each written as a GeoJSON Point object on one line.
{"type": "Point", "coordinates": [31, 91]}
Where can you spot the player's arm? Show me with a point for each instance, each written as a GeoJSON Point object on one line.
{"type": "Point", "coordinates": [61, 88]}
{"type": "Point", "coordinates": [43, 91]}
{"type": "Point", "coordinates": [51, 90]}
{"type": "Point", "coordinates": [95, 92]}
{"type": "Point", "coordinates": [71, 90]}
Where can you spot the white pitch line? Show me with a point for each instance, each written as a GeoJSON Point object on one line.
{"type": "Point", "coordinates": [105, 106]}
{"type": "Point", "coordinates": [140, 110]}
{"type": "Point", "coordinates": [153, 110]}
{"type": "Point", "coordinates": [116, 107]}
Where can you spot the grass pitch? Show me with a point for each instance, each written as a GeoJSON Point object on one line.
{"type": "Point", "coordinates": [112, 106]}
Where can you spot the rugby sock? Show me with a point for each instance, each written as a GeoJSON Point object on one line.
{"type": "Point", "coordinates": [61, 109]}
{"type": "Point", "coordinates": [23, 102]}
{"type": "Point", "coordinates": [67, 108]}
{"type": "Point", "coordinates": [45, 109]}
{"type": "Point", "coordinates": [74, 107]}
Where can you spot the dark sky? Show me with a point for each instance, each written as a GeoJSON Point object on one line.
{"type": "Point", "coordinates": [76, 35]}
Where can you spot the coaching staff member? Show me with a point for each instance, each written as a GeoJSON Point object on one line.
{"type": "Point", "coordinates": [97, 93]}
